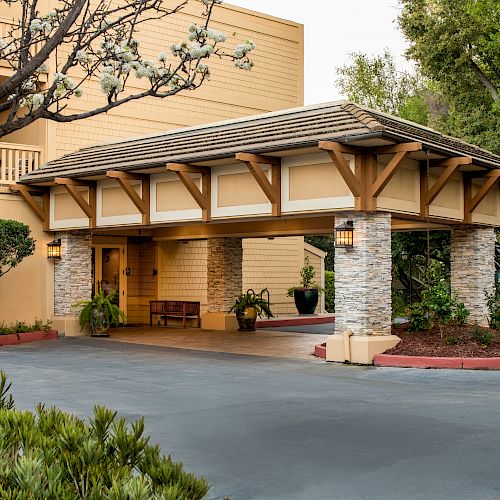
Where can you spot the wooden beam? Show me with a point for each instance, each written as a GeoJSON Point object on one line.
{"type": "Point", "coordinates": [266, 160]}
{"type": "Point", "coordinates": [184, 167]}
{"type": "Point", "coordinates": [80, 200]}
{"type": "Point", "coordinates": [490, 182]}
{"type": "Point", "coordinates": [345, 171]}
{"type": "Point", "coordinates": [272, 189]}
{"type": "Point", "coordinates": [341, 148]}
{"type": "Point", "coordinates": [206, 186]}
{"type": "Point", "coordinates": [440, 183]}
{"type": "Point", "coordinates": [457, 160]}
{"type": "Point", "coordinates": [145, 191]}
{"type": "Point", "coordinates": [66, 181]}
{"type": "Point", "coordinates": [370, 176]}
{"type": "Point", "coordinates": [402, 147]}
{"type": "Point", "coordinates": [388, 173]}
{"type": "Point", "coordinates": [193, 189]}
{"type": "Point", "coordinates": [118, 174]}
{"type": "Point", "coordinates": [133, 195]}
{"type": "Point", "coordinates": [25, 192]}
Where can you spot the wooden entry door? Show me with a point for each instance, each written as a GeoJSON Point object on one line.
{"type": "Point", "coordinates": [109, 262]}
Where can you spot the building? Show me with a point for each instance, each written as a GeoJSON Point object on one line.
{"type": "Point", "coordinates": [276, 82]}
{"type": "Point", "coordinates": [280, 174]}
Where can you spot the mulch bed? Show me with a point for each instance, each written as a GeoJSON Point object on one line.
{"type": "Point", "coordinates": [440, 344]}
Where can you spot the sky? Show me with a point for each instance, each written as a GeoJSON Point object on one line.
{"type": "Point", "coordinates": [333, 29]}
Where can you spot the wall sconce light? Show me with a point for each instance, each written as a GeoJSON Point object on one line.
{"type": "Point", "coordinates": [54, 249]}
{"type": "Point", "coordinates": [344, 235]}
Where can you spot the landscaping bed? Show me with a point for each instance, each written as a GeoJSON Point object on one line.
{"type": "Point", "coordinates": [20, 332]}
{"type": "Point", "coordinates": [467, 341]}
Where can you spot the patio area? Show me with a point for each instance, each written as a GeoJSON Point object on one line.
{"type": "Point", "coordinates": [259, 343]}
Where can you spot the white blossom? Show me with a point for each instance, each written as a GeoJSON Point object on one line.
{"type": "Point", "coordinates": [3, 43]}
{"type": "Point", "coordinates": [216, 36]}
{"type": "Point", "coordinates": [162, 57]}
{"type": "Point", "coordinates": [43, 68]}
{"type": "Point", "coordinates": [36, 26]}
{"type": "Point", "coordinates": [109, 82]}
{"type": "Point", "coordinates": [243, 64]}
{"type": "Point", "coordinates": [78, 92]}
{"type": "Point", "coordinates": [82, 57]}
{"type": "Point", "coordinates": [37, 100]}
{"type": "Point", "coordinates": [243, 49]}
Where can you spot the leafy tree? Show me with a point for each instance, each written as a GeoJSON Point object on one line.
{"type": "Point", "coordinates": [375, 82]}
{"type": "Point", "coordinates": [15, 244]}
{"type": "Point", "coordinates": [83, 40]}
{"type": "Point", "coordinates": [325, 243]}
{"type": "Point", "coordinates": [457, 46]}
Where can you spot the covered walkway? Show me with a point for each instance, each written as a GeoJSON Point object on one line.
{"type": "Point", "coordinates": [259, 343]}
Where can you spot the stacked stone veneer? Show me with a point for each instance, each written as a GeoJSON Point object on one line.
{"type": "Point", "coordinates": [473, 268]}
{"type": "Point", "coordinates": [224, 272]}
{"type": "Point", "coordinates": [73, 273]}
{"type": "Point", "coordinates": [363, 276]}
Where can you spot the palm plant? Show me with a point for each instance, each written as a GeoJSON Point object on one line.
{"type": "Point", "coordinates": [100, 313]}
{"type": "Point", "coordinates": [249, 299]}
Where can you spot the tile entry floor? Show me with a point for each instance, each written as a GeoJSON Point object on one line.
{"type": "Point", "coordinates": [277, 344]}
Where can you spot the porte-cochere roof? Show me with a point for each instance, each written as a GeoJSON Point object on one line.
{"type": "Point", "coordinates": [263, 134]}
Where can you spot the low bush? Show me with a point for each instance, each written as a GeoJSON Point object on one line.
{"type": "Point", "coordinates": [20, 326]}
{"type": "Point", "coordinates": [438, 307]}
{"type": "Point", "coordinates": [330, 291]}
{"type": "Point", "coordinates": [483, 337]}
{"type": "Point", "coordinates": [50, 454]}
{"type": "Point", "coordinates": [493, 300]}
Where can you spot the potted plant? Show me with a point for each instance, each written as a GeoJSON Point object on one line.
{"type": "Point", "coordinates": [307, 293]}
{"type": "Point", "coordinates": [247, 307]}
{"type": "Point", "coordinates": [100, 313]}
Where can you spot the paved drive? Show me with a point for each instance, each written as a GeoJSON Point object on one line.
{"type": "Point", "coordinates": [284, 429]}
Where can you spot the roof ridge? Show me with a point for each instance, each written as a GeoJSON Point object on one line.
{"type": "Point", "coordinates": [363, 116]}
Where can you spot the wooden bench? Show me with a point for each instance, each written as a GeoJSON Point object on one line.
{"type": "Point", "coordinates": [174, 309]}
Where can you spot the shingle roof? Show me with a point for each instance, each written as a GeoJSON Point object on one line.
{"type": "Point", "coordinates": [287, 129]}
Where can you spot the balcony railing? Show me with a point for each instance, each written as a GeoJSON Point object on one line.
{"type": "Point", "coordinates": [17, 160]}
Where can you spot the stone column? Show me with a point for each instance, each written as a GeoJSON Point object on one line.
{"type": "Point", "coordinates": [363, 299]}
{"type": "Point", "coordinates": [72, 279]}
{"type": "Point", "coordinates": [224, 282]}
{"type": "Point", "coordinates": [473, 268]}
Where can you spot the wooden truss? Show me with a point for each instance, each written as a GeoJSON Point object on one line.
{"type": "Point", "coordinates": [272, 189]}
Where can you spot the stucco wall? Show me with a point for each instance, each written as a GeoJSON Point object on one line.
{"type": "Point", "coordinates": [27, 291]}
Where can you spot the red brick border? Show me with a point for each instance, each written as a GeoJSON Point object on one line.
{"type": "Point", "coordinates": [309, 320]}
{"type": "Point", "coordinates": [21, 338]}
{"type": "Point", "coordinates": [320, 351]}
{"type": "Point", "coordinates": [436, 362]}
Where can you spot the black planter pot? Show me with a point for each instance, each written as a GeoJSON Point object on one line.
{"type": "Point", "coordinates": [306, 300]}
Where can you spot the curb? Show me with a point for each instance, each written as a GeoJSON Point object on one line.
{"type": "Point", "coordinates": [21, 338]}
{"type": "Point", "coordinates": [320, 351]}
{"type": "Point", "coordinates": [294, 322]}
{"type": "Point", "coordinates": [396, 361]}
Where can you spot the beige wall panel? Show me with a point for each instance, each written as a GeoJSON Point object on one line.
{"type": "Point", "coordinates": [239, 189]}
{"type": "Point", "coordinates": [449, 203]}
{"type": "Point", "coordinates": [402, 193]}
{"type": "Point", "coordinates": [488, 211]}
{"type": "Point", "coordinates": [115, 201]}
{"type": "Point", "coordinates": [316, 181]}
{"type": "Point", "coordinates": [65, 207]}
{"type": "Point", "coordinates": [27, 291]}
{"type": "Point", "coordinates": [173, 195]}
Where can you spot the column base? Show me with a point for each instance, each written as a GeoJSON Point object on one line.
{"type": "Point", "coordinates": [219, 321]}
{"type": "Point", "coordinates": [357, 348]}
{"type": "Point", "coordinates": [69, 326]}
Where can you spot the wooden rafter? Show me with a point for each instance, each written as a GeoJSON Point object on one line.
{"type": "Point", "coordinates": [272, 189]}
{"type": "Point", "coordinates": [388, 173]}
{"type": "Point", "coordinates": [491, 179]}
{"type": "Point", "coordinates": [124, 178]}
{"type": "Point", "coordinates": [441, 182]}
{"type": "Point", "coordinates": [343, 167]}
{"type": "Point", "coordinates": [201, 196]}
{"type": "Point", "coordinates": [71, 187]}
{"type": "Point", "coordinates": [25, 192]}
{"type": "Point", "coordinates": [402, 147]}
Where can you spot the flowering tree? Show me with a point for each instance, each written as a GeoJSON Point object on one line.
{"type": "Point", "coordinates": [81, 40]}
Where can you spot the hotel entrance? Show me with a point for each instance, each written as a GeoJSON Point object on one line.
{"type": "Point", "coordinates": [108, 271]}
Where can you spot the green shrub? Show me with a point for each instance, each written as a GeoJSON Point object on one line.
{"type": "Point", "coordinates": [438, 307]}
{"type": "Point", "coordinates": [330, 291]}
{"type": "Point", "coordinates": [453, 339]}
{"type": "Point", "coordinates": [50, 454]}
{"type": "Point", "coordinates": [493, 300]}
{"type": "Point", "coordinates": [20, 327]}
{"type": "Point", "coordinates": [483, 337]}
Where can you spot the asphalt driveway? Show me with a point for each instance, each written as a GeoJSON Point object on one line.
{"type": "Point", "coordinates": [283, 429]}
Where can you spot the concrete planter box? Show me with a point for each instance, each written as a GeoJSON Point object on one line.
{"type": "Point", "coordinates": [23, 337]}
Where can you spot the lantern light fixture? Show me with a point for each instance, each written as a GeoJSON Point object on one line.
{"type": "Point", "coordinates": [54, 249]}
{"type": "Point", "coordinates": [344, 235]}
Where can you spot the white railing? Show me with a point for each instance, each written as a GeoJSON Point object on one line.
{"type": "Point", "coordinates": [17, 160]}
